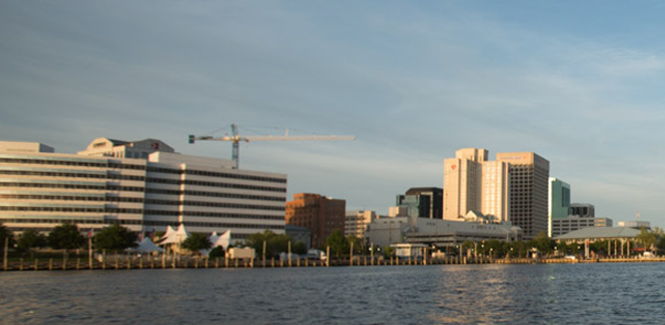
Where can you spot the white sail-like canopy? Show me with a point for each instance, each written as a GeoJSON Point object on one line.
{"type": "Point", "coordinates": [224, 240]}
{"type": "Point", "coordinates": [175, 237]}
{"type": "Point", "coordinates": [216, 240]}
{"type": "Point", "coordinates": [147, 246]}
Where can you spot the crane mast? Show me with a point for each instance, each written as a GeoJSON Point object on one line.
{"type": "Point", "coordinates": [235, 138]}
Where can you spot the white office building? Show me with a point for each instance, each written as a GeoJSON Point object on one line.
{"type": "Point", "coordinates": [143, 185]}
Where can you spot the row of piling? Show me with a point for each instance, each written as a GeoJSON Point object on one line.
{"type": "Point", "coordinates": [117, 263]}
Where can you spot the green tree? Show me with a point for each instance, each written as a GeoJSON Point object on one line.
{"type": "Point", "coordinates": [646, 238]}
{"type": "Point", "coordinates": [30, 239]}
{"type": "Point", "coordinates": [115, 238]}
{"type": "Point", "coordinates": [389, 252]}
{"type": "Point", "coordinates": [275, 243]}
{"type": "Point", "coordinates": [217, 252]}
{"type": "Point", "coordinates": [339, 245]}
{"type": "Point", "coordinates": [66, 236]}
{"type": "Point", "coordinates": [196, 242]}
{"type": "Point", "coordinates": [5, 233]}
{"type": "Point", "coordinates": [542, 243]}
{"type": "Point", "coordinates": [299, 248]}
{"type": "Point", "coordinates": [357, 244]}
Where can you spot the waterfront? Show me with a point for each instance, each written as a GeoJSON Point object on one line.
{"type": "Point", "coordinates": [437, 294]}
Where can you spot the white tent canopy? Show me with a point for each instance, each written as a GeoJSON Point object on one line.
{"type": "Point", "coordinates": [216, 240]}
{"type": "Point", "coordinates": [175, 237]}
{"type": "Point", "coordinates": [147, 246]}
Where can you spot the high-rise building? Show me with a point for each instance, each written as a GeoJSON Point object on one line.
{"type": "Point", "coordinates": [529, 189]}
{"type": "Point", "coordinates": [559, 202]}
{"type": "Point", "coordinates": [471, 183]}
{"type": "Point", "coordinates": [422, 202]}
{"type": "Point", "coordinates": [320, 214]}
{"type": "Point", "coordinates": [142, 185]}
{"type": "Point", "coordinates": [357, 221]}
{"type": "Point", "coordinates": [462, 183]}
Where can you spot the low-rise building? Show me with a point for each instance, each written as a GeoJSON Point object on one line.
{"type": "Point", "coordinates": [440, 233]}
{"type": "Point", "coordinates": [573, 222]}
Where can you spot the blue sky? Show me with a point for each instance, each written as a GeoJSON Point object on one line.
{"type": "Point", "coordinates": [579, 83]}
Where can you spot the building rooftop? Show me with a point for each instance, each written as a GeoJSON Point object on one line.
{"type": "Point", "coordinates": [600, 233]}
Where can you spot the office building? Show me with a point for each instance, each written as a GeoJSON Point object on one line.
{"type": "Point", "coordinates": [142, 185]}
{"type": "Point", "coordinates": [562, 226]}
{"type": "Point", "coordinates": [320, 214]}
{"type": "Point", "coordinates": [357, 221]}
{"type": "Point", "coordinates": [529, 189]}
{"type": "Point", "coordinates": [558, 202]}
{"type": "Point", "coordinates": [422, 202]}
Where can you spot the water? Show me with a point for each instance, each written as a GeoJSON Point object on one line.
{"type": "Point", "coordinates": [446, 294]}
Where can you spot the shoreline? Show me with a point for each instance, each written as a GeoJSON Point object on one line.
{"type": "Point", "coordinates": [134, 263]}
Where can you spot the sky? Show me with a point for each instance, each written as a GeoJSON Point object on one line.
{"type": "Point", "coordinates": [578, 82]}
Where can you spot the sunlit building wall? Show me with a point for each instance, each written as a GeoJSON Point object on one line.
{"type": "Point", "coordinates": [320, 214]}
{"type": "Point", "coordinates": [101, 185]}
{"type": "Point", "coordinates": [471, 183]}
{"type": "Point", "coordinates": [529, 191]}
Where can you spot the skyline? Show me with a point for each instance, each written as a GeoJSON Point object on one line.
{"type": "Point", "coordinates": [413, 82]}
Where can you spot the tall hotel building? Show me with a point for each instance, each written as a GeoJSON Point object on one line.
{"type": "Point", "coordinates": [471, 183]}
{"type": "Point", "coordinates": [143, 185]}
{"type": "Point", "coordinates": [513, 188]}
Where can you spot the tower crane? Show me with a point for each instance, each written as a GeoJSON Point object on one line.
{"type": "Point", "coordinates": [236, 138]}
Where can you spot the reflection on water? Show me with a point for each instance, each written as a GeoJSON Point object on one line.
{"type": "Point", "coordinates": [448, 294]}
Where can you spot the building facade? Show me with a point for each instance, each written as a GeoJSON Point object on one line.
{"type": "Point", "coordinates": [422, 202]}
{"type": "Point", "coordinates": [462, 182]}
{"type": "Point", "coordinates": [584, 210]}
{"type": "Point", "coordinates": [142, 185]}
{"type": "Point", "coordinates": [472, 183]}
{"type": "Point", "coordinates": [562, 226]}
{"type": "Point", "coordinates": [529, 191]}
{"type": "Point", "coordinates": [356, 222]}
{"type": "Point", "coordinates": [558, 203]}
{"type": "Point", "coordinates": [320, 214]}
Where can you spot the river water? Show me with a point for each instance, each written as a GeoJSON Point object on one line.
{"type": "Point", "coordinates": [437, 294]}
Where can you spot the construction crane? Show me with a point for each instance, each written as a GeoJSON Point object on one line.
{"type": "Point", "coordinates": [236, 138]}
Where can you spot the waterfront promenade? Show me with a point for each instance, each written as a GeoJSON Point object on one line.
{"type": "Point", "coordinates": [170, 262]}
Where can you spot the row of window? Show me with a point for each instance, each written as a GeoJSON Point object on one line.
{"type": "Point", "coordinates": [216, 205]}
{"type": "Point", "coordinates": [138, 211]}
{"type": "Point", "coordinates": [71, 162]}
{"type": "Point", "coordinates": [82, 163]}
{"type": "Point", "coordinates": [215, 184]}
{"type": "Point", "coordinates": [150, 223]}
{"type": "Point", "coordinates": [215, 194]}
{"type": "Point", "coordinates": [137, 200]}
{"type": "Point", "coordinates": [141, 178]}
{"type": "Point", "coordinates": [215, 174]}
{"type": "Point", "coordinates": [102, 187]}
